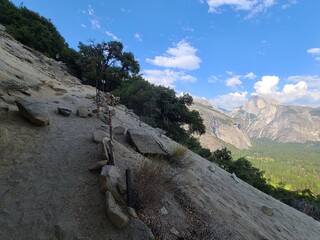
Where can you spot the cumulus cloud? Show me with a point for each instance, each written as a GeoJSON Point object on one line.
{"type": "Point", "coordinates": [138, 37]}
{"type": "Point", "coordinates": [182, 56]}
{"type": "Point", "coordinates": [236, 80]}
{"type": "Point", "coordinates": [303, 90]}
{"type": "Point", "coordinates": [110, 34]}
{"type": "Point", "coordinates": [267, 85]}
{"type": "Point", "coordinates": [230, 100]}
{"type": "Point", "coordinates": [313, 81]}
{"type": "Point", "coordinates": [233, 82]}
{"type": "Point", "coordinates": [167, 77]}
{"type": "Point", "coordinates": [252, 6]}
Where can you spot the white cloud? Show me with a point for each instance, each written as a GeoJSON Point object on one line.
{"type": "Point", "coordinates": [252, 6]}
{"type": "Point", "coordinates": [138, 37]}
{"type": "Point", "coordinates": [110, 34]}
{"type": "Point", "coordinates": [303, 91]}
{"type": "Point", "coordinates": [213, 79]}
{"type": "Point", "coordinates": [317, 58]}
{"type": "Point", "coordinates": [230, 100]}
{"type": "Point", "coordinates": [236, 80]}
{"type": "Point", "coordinates": [314, 51]}
{"type": "Point", "coordinates": [233, 82]}
{"type": "Point", "coordinates": [82, 25]}
{"type": "Point", "coordinates": [250, 75]}
{"type": "Point", "coordinates": [188, 29]}
{"type": "Point", "coordinates": [182, 56]}
{"type": "Point", "coordinates": [289, 4]}
{"type": "Point", "coordinates": [267, 85]}
{"type": "Point", "coordinates": [95, 23]}
{"type": "Point", "coordinates": [90, 10]}
{"type": "Point", "coordinates": [166, 77]}
{"type": "Point", "coordinates": [292, 92]}
{"type": "Point", "coordinates": [313, 81]}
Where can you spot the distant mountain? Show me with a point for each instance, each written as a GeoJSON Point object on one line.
{"type": "Point", "coordinates": [264, 117]}
{"type": "Point", "coordinates": [220, 128]}
{"type": "Point", "coordinates": [259, 117]}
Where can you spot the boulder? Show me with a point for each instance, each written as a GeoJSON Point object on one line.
{"type": "Point", "coordinates": [4, 138]}
{"type": "Point", "coordinates": [84, 112]}
{"type": "Point", "coordinates": [99, 135]}
{"type": "Point", "coordinates": [64, 111]}
{"type": "Point", "coordinates": [34, 110]}
{"type": "Point", "coordinates": [114, 212]}
{"type": "Point", "coordinates": [109, 181]}
{"type": "Point", "coordinates": [145, 143]}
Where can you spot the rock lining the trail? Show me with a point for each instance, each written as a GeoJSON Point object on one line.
{"type": "Point", "coordinates": [145, 143]}
{"type": "Point", "coordinates": [34, 110]}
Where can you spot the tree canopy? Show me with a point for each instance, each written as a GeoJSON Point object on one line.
{"type": "Point", "coordinates": [106, 61]}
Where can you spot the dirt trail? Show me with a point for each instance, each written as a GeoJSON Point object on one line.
{"type": "Point", "coordinates": [46, 189]}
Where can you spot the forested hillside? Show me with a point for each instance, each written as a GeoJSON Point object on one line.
{"type": "Point", "coordinates": [290, 165]}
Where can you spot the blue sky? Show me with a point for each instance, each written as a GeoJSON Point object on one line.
{"type": "Point", "coordinates": [222, 50]}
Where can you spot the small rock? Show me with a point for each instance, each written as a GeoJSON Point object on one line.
{"type": "Point", "coordinates": [112, 110]}
{"type": "Point", "coordinates": [211, 169]}
{"type": "Point", "coordinates": [4, 138]}
{"type": "Point", "coordinates": [267, 210]}
{"type": "Point", "coordinates": [114, 212]}
{"type": "Point", "coordinates": [119, 130]}
{"type": "Point", "coordinates": [109, 179]}
{"type": "Point", "coordinates": [163, 211]}
{"type": "Point", "coordinates": [83, 238]}
{"type": "Point", "coordinates": [90, 96]}
{"type": "Point", "coordinates": [132, 212]}
{"type": "Point", "coordinates": [99, 135]}
{"type": "Point", "coordinates": [174, 231]}
{"type": "Point", "coordinates": [234, 176]}
{"type": "Point", "coordinates": [83, 112]}
{"type": "Point", "coordinates": [8, 99]}
{"type": "Point", "coordinates": [98, 165]}
{"type": "Point", "coordinates": [138, 230]}
{"type": "Point", "coordinates": [4, 109]}
{"type": "Point", "coordinates": [104, 118]}
{"type": "Point", "coordinates": [64, 111]}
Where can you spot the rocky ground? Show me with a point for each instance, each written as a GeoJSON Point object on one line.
{"type": "Point", "coordinates": [47, 191]}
